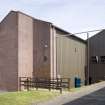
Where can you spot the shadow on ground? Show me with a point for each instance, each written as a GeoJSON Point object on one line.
{"type": "Point", "coordinates": [95, 98]}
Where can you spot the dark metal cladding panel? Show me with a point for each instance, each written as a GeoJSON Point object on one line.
{"type": "Point", "coordinates": [97, 48]}
{"type": "Point", "coordinates": [41, 49]}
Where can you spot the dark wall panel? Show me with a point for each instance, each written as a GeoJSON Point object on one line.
{"type": "Point", "coordinates": [97, 48]}
{"type": "Point", "coordinates": [41, 49]}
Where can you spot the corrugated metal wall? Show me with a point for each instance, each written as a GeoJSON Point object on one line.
{"type": "Point", "coordinates": [97, 48]}
{"type": "Point", "coordinates": [70, 58]}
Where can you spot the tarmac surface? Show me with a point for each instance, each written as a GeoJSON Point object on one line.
{"type": "Point", "coordinates": [89, 95]}
{"type": "Point", "coordinates": [95, 98]}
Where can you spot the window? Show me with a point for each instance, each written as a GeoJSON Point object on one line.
{"type": "Point", "coordinates": [102, 59]}
{"type": "Point", "coordinates": [94, 59]}
{"type": "Point", "coordinates": [45, 58]}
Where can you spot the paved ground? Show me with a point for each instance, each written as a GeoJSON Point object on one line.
{"type": "Point", "coordinates": [90, 95]}
{"type": "Point", "coordinates": [95, 98]}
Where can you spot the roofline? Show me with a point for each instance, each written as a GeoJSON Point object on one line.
{"type": "Point", "coordinates": [97, 33]}
{"type": "Point", "coordinates": [60, 29]}
{"type": "Point", "coordinates": [69, 34]}
{"type": "Point", "coordinates": [52, 25]}
{"type": "Point", "coordinates": [31, 16]}
{"type": "Point", "coordinates": [5, 17]}
{"type": "Point", "coordinates": [78, 38]}
{"type": "Point", "coordinates": [72, 35]}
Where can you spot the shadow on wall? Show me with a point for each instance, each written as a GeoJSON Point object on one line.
{"type": "Point", "coordinates": [95, 98]}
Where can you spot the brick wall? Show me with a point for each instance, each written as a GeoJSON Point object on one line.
{"type": "Point", "coordinates": [8, 53]}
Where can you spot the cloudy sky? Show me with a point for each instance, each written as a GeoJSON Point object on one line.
{"type": "Point", "coordinates": [71, 15]}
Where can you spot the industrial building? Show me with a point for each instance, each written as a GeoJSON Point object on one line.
{"type": "Point", "coordinates": [71, 58]}
{"type": "Point", "coordinates": [34, 48]}
{"type": "Point", "coordinates": [97, 57]}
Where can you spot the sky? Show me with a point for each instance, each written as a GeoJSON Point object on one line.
{"type": "Point", "coordinates": [71, 15]}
